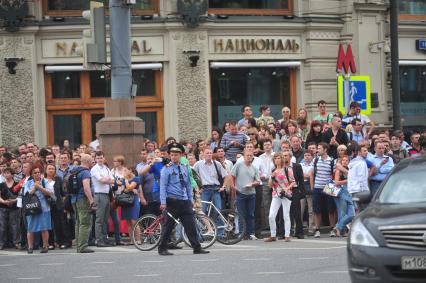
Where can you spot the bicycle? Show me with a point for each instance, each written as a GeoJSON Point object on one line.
{"type": "Point", "coordinates": [231, 221]}
{"type": "Point", "coordinates": [147, 231]}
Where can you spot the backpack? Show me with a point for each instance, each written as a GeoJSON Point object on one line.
{"type": "Point", "coordinates": [315, 166]}
{"type": "Point", "coordinates": [71, 184]}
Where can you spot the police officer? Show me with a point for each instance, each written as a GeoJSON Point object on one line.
{"type": "Point", "coordinates": [176, 196]}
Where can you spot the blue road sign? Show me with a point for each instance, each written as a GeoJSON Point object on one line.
{"type": "Point", "coordinates": [359, 91]}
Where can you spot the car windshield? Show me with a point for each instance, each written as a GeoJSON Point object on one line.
{"type": "Point", "coordinates": [405, 186]}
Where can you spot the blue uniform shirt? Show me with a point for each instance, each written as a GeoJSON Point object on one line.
{"type": "Point", "coordinates": [174, 183]}
{"type": "Point", "coordinates": [383, 170]}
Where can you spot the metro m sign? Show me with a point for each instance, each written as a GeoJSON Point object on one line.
{"type": "Point", "coordinates": [345, 61]}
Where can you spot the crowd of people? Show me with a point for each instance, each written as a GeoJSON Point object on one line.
{"type": "Point", "coordinates": [276, 172]}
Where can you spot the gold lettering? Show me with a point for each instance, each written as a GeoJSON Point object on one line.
{"type": "Point", "coordinates": [145, 49]}
{"type": "Point", "coordinates": [73, 48]}
{"type": "Point", "coordinates": [229, 45]}
{"type": "Point", "coordinates": [218, 45]}
{"type": "Point", "coordinates": [270, 44]}
{"type": "Point", "coordinates": [135, 47]}
{"type": "Point", "coordinates": [237, 45]}
{"type": "Point", "coordinates": [61, 47]}
{"type": "Point", "coordinates": [288, 45]}
{"type": "Point", "coordinates": [295, 46]}
{"type": "Point", "coordinates": [250, 44]}
{"type": "Point", "coordinates": [260, 44]}
{"type": "Point", "coordinates": [243, 48]}
{"type": "Point", "coordinates": [280, 45]}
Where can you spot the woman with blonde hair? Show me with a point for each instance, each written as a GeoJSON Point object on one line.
{"type": "Point", "coordinates": [281, 182]}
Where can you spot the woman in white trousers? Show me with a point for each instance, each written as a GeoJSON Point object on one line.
{"type": "Point", "coordinates": [281, 182]}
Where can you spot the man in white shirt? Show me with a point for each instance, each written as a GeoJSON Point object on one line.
{"type": "Point", "coordinates": [358, 171]}
{"type": "Point", "coordinates": [102, 178]}
{"type": "Point", "coordinates": [212, 176]}
{"type": "Point", "coordinates": [268, 164]}
{"type": "Point", "coordinates": [307, 166]}
{"type": "Point", "coordinates": [257, 163]}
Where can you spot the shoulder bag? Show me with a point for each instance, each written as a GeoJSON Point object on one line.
{"type": "Point", "coordinates": [125, 199]}
{"type": "Point", "coordinates": [32, 204]}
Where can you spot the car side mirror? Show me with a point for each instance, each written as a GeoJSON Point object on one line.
{"type": "Point", "coordinates": [362, 197]}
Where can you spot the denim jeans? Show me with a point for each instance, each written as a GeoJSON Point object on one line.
{"type": "Point", "coordinates": [213, 195]}
{"type": "Point", "coordinates": [116, 222]}
{"type": "Point", "coordinates": [346, 208]}
{"type": "Point", "coordinates": [245, 206]}
{"type": "Point", "coordinates": [374, 187]}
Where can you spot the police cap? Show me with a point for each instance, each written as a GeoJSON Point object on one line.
{"type": "Point", "coordinates": [175, 147]}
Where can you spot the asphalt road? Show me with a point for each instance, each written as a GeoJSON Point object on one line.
{"type": "Point", "coordinates": [309, 260]}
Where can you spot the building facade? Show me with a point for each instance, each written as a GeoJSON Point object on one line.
{"type": "Point", "coordinates": [277, 52]}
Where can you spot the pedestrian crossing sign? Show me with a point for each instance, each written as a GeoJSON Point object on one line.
{"type": "Point", "coordinates": [359, 91]}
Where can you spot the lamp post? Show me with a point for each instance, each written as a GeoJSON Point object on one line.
{"type": "Point", "coordinates": [396, 98]}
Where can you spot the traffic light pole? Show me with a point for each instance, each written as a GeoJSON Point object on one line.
{"type": "Point", "coordinates": [121, 64]}
{"type": "Point", "coordinates": [396, 98]}
{"type": "Point", "coordinates": [120, 131]}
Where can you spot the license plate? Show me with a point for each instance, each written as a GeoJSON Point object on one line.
{"type": "Point", "coordinates": [413, 262]}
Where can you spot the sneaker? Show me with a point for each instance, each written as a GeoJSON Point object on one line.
{"type": "Point", "coordinates": [317, 234]}
{"type": "Point", "coordinates": [333, 233]}
{"type": "Point", "coordinates": [253, 237]}
{"type": "Point", "coordinates": [349, 226]}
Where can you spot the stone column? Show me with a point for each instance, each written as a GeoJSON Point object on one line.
{"type": "Point", "coordinates": [120, 131]}
{"type": "Point", "coordinates": [17, 119]}
{"type": "Point", "coordinates": [191, 85]}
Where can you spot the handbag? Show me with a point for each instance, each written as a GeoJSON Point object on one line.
{"type": "Point", "coordinates": [125, 199]}
{"type": "Point", "coordinates": [32, 204]}
{"type": "Point", "coordinates": [331, 189]}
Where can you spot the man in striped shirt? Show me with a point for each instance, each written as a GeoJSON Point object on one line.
{"type": "Point", "coordinates": [233, 142]}
{"type": "Point", "coordinates": [322, 173]}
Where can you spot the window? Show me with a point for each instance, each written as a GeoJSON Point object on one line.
{"type": "Point", "coordinates": [100, 83]}
{"type": "Point", "coordinates": [150, 119]}
{"type": "Point", "coordinates": [413, 99]}
{"type": "Point", "coordinates": [234, 87]}
{"type": "Point", "coordinates": [66, 85]}
{"type": "Point", "coordinates": [67, 127]}
{"type": "Point", "coordinates": [412, 9]}
{"type": "Point", "coordinates": [74, 8]}
{"type": "Point", "coordinates": [75, 103]}
{"type": "Point", "coordinates": [94, 118]}
{"type": "Point", "coordinates": [264, 7]}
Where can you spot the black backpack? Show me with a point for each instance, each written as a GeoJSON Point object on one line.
{"type": "Point", "coordinates": [71, 184]}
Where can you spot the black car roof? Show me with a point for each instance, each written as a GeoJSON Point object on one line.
{"type": "Point", "coordinates": [412, 161]}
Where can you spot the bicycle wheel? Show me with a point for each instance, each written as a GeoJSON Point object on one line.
{"type": "Point", "coordinates": [234, 227]}
{"type": "Point", "coordinates": [146, 232]}
{"type": "Point", "coordinates": [206, 231]}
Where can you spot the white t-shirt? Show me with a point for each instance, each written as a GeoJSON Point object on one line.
{"type": "Point", "coordinates": [98, 172]}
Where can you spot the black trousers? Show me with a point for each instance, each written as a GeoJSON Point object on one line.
{"type": "Point", "coordinates": [295, 214]}
{"type": "Point", "coordinates": [182, 210]}
{"type": "Point", "coordinates": [61, 228]}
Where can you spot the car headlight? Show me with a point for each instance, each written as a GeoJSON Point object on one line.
{"type": "Point", "coordinates": [361, 236]}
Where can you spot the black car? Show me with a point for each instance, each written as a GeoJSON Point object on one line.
{"type": "Point", "coordinates": [387, 241]}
